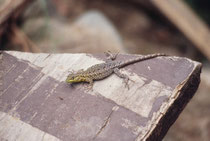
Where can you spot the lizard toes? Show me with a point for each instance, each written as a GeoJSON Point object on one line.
{"type": "Point", "coordinates": [126, 83]}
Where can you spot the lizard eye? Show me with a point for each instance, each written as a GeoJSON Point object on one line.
{"type": "Point", "coordinates": [71, 77]}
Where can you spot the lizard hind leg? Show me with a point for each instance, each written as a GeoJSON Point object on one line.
{"type": "Point", "coordinates": [110, 56]}
{"type": "Point", "coordinates": [125, 77]}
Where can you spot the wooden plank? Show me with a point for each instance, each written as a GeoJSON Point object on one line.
{"type": "Point", "coordinates": [34, 92]}
{"type": "Point", "coordinates": [187, 22]}
{"type": "Point", "coordinates": [12, 129]}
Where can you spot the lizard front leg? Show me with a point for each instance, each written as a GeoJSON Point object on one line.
{"type": "Point", "coordinates": [125, 77]}
{"type": "Point", "coordinates": [90, 81]}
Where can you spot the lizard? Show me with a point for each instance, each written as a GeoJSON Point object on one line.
{"type": "Point", "coordinates": [103, 70]}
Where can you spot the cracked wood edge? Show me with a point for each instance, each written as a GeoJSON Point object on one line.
{"type": "Point", "coordinates": [105, 122]}
{"type": "Point", "coordinates": [182, 95]}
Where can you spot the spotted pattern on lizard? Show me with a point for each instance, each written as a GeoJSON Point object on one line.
{"type": "Point", "coordinates": [103, 70]}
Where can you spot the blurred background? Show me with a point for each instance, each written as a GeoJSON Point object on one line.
{"type": "Point", "coordinates": [179, 28]}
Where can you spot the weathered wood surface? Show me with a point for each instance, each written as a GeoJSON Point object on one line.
{"type": "Point", "coordinates": [36, 103]}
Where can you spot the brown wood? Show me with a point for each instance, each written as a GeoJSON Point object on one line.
{"type": "Point", "coordinates": [11, 9]}
{"type": "Point", "coordinates": [37, 104]}
{"type": "Point", "coordinates": [187, 22]}
{"type": "Point", "coordinates": [10, 12]}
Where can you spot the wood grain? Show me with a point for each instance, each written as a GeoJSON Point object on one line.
{"type": "Point", "coordinates": [35, 93]}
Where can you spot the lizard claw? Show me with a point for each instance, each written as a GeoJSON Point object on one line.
{"type": "Point", "coordinates": [111, 56]}
{"type": "Point", "coordinates": [90, 87]}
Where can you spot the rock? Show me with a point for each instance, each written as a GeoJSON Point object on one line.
{"type": "Point", "coordinates": [92, 32]}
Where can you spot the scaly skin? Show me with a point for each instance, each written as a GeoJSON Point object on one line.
{"type": "Point", "coordinates": [103, 70]}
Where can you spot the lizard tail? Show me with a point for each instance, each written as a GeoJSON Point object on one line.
{"type": "Point", "coordinates": [142, 58]}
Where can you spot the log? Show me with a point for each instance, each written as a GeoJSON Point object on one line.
{"type": "Point", "coordinates": [12, 9]}
{"type": "Point", "coordinates": [187, 22]}
{"type": "Point", "coordinates": [10, 12]}
{"type": "Point", "coordinates": [37, 104]}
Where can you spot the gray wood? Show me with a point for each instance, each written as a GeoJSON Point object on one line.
{"type": "Point", "coordinates": [35, 98]}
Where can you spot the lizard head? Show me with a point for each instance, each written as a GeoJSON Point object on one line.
{"type": "Point", "coordinates": [74, 78]}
